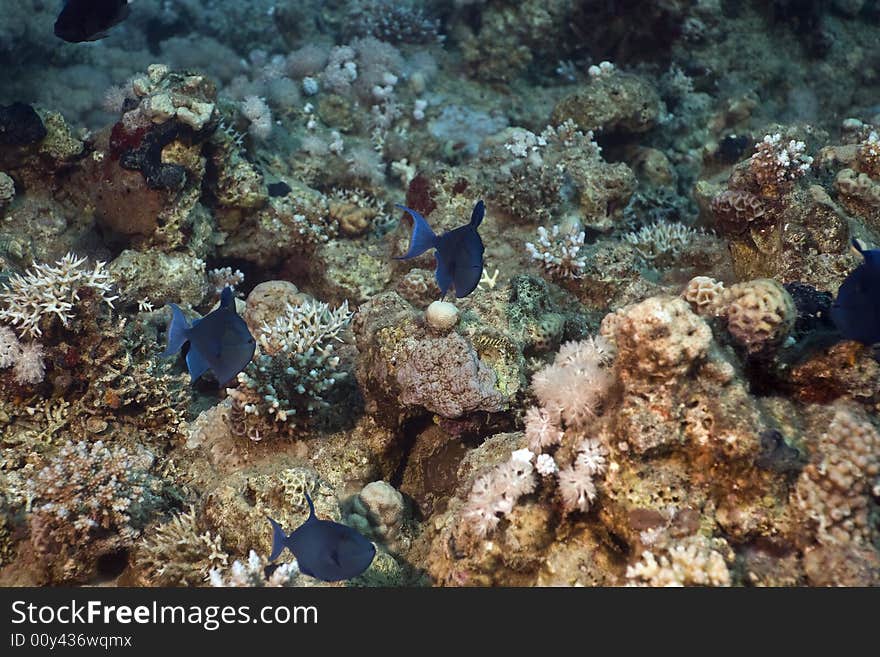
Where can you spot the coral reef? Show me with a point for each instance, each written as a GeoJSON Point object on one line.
{"type": "Point", "coordinates": [647, 386]}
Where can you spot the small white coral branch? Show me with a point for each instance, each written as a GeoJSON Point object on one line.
{"type": "Point", "coordinates": [252, 574]}
{"type": "Point", "coordinates": [559, 252]}
{"type": "Point", "coordinates": [662, 237]}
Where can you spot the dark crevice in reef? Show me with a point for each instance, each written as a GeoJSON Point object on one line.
{"type": "Point", "coordinates": [409, 433]}
{"type": "Point", "coordinates": [112, 564]}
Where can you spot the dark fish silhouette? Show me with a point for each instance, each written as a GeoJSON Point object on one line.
{"type": "Point", "coordinates": [89, 20]}
{"type": "Point", "coordinates": [459, 252]}
{"type": "Point", "coordinates": [279, 188]}
{"type": "Point", "coordinates": [324, 549]}
{"type": "Point", "coordinates": [219, 341]}
{"type": "Point", "coordinates": [856, 310]}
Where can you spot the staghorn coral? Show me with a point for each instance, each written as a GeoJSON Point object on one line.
{"type": "Point", "coordinates": [177, 553]}
{"type": "Point", "coordinates": [52, 291]}
{"type": "Point", "coordinates": [296, 369]}
{"type": "Point", "coordinates": [88, 500]}
{"type": "Point", "coordinates": [224, 277]}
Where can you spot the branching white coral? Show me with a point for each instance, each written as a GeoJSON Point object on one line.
{"type": "Point", "coordinates": [522, 142]}
{"type": "Point", "coordinates": [252, 574]}
{"type": "Point", "coordinates": [225, 277]}
{"type": "Point", "coordinates": [297, 365]}
{"type": "Point", "coordinates": [309, 325]}
{"type": "Point", "coordinates": [51, 290]}
{"type": "Point", "coordinates": [178, 553]}
{"type": "Point", "coordinates": [559, 252]}
{"type": "Point", "coordinates": [777, 161]}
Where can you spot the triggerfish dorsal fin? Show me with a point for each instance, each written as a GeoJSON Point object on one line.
{"type": "Point", "coordinates": [423, 238]}
{"type": "Point", "coordinates": [311, 508]}
{"type": "Point", "coordinates": [478, 213]}
{"type": "Point", "coordinates": [871, 256]}
{"type": "Point", "coordinates": [227, 299]}
{"type": "Point", "coordinates": [279, 540]}
{"type": "Point", "coordinates": [177, 332]}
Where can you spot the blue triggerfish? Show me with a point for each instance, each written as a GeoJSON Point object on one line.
{"type": "Point", "coordinates": [856, 310]}
{"type": "Point", "coordinates": [324, 549]}
{"type": "Point", "coordinates": [219, 341]}
{"type": "Point", "coordinates": [89, 20]}
{"type": "Point", "coordinates": [459, 252]}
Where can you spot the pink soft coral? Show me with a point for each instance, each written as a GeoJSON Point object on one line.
{"type": "Point", "coordinates": [574, 386]}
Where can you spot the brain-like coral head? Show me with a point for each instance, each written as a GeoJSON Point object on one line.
{"type": "Point", "coordinates": [659, 338]}
{"type": "Point", "coordinates": [760, 313]}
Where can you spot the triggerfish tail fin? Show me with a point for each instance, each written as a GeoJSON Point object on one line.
{"type": "Point", "coordinates": [478, 213]}
{"type": "Point", "coordinates": [279, 540]}
{"type": "Point", "coordinates": [423, 238]}
{"type": "Point", "coordinates": [176, 332]}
